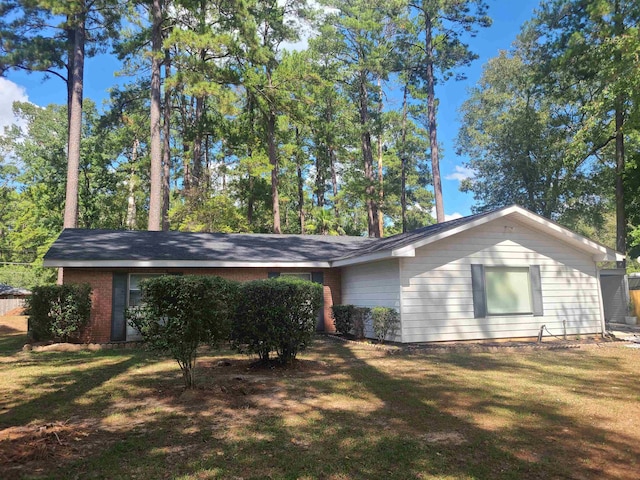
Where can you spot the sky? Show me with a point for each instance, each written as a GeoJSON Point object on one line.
{"type": "Point", "coordinates": [508, 16]}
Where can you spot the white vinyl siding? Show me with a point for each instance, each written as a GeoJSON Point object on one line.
{"type": "Point", "coordinates": [436, 291]}
{"type": "Point", "coordinates": [375, 284]}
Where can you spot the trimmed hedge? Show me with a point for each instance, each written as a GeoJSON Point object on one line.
{"type": "Point", "coordinates": [58, 312]}
{"type": "Point", "coordinates": [277, 314]}
{"type": "Point", "coordinates": [343, 318]}
{"type": "Point", "coordinates": [178, 313]}
{"type": "Point", "coordinates": [350, 320]}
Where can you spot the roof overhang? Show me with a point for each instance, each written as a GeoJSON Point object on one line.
{"type": "Point", "coordinates": [178, 264]}
{"type": "Point", "coordinates": [599, 252]}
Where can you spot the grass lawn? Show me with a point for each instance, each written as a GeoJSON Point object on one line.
{"type": "Point", "coordinates": [344, 411]}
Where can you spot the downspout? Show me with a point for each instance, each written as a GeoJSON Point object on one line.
{"type": "Point", "coordinates": [600, 304]}
{"type": "Point", "coordinates": [400, 302]}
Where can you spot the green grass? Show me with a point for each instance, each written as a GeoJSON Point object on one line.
{"type": "Point", "coordinates": [345, 411]}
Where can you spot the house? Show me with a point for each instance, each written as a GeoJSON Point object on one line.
{"type": "Point", "coordinates": [500, 274]}
{"type": "Point", "coordinates": [12, 298]}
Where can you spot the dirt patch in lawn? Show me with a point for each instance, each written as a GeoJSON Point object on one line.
{"type": "Point", "coordinates": [37, 449]}
{"type": "Point", "coordinates": [10, 324]}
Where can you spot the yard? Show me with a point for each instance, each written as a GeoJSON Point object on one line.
{"type": "Point", "coordinates": [344, 411]}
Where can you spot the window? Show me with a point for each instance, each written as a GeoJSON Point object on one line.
{"type": "Point", "coordinates": [134, 299]}
{"type": "Point", "coordinates": [508, 290]}
{"type": "Point", "coordinates": [302, 276]}
{"type": "Point", "coordinates": [135, 295]}
{"type": "Point", "coordinates": [503, 290]}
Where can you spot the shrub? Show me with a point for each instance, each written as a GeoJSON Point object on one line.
{"type": "Point", "coordinates": [58, 312]}
{"type": "Point", "coordinates": [343, 318]}
{"type": "Point", "coordinates": [350, 319]}
{"type": "Point", "coordinates": [179, 313]}
{"type": "Point", "coordinates": [360, 316]}
{"type": "Point", "coordinates": [385, 322]}
{"type": "Point", "coordinates": [277, 314]}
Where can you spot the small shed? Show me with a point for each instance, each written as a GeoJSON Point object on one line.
{"type": "Point", "coordinates": [615, 299]}
{"type": "Point", "coordinates": [11, 298]}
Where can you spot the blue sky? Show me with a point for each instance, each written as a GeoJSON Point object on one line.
{"type": "Point", "coordinates": [507, 15]}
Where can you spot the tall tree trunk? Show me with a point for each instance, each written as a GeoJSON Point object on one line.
{"type": "Point", "coordinates": [273, 159]}
{"type": "Point", "coordinates": [166, 145]}
{"type": "Point", "coordinates": [367, 154]}
{"type": "Point", "coordinates": [131, 200]}
{"type": "Point", "coordinates": [250, 200]}
{"type": "Point", "coordinates": [621, 218]}
{"type": "Point", "coordinates": [300, 183]}
{"type": "Point", "coordinates": [196, 172]}
{"type": "Point", "coordinates": [431, 117]}
{"type": "Point", "coordinates": [252, 121]}
{"type": "Point", "coordinates": [155, 195]}
{"type": "Point", "coordinates": [380, 178]}
{"type": "Point", "coordinates": [75, 122]}
{"type": "Point", "coordinates": [334, 179]}
{"type": "Point", "coordinates": [186, 166]}
{"type": "Point", "coordinates": [320, 180]}
{"type": "Point", "coordinates": [403, 160]}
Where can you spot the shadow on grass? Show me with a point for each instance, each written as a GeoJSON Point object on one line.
{"type": "Point", "coordinates": [63, 385]}
{"type": "Point", "coordinates": [360, 420]}
{"type": "Point", "coordinates": [11, 343]}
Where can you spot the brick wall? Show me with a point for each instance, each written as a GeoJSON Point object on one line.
{"type": "Point", "coordinates": [101, 281]}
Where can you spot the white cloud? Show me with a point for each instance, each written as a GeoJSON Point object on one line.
{"type": "Point", "coordinates": [461, 173]}
{"type": "Point", "coordinates": [447, 217]}
{"type": "Point", "coordinates": [10, 92]}
{"type": "Point", "coordinates": [305, 28]}
{"type": "Point", "coordinates": [453, 216]}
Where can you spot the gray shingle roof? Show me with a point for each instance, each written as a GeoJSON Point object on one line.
{"type": "Point", "coordinates": [129, 245]}
{"type": "Point", "coordinates": [6, 290]}
{"type": "Point", "coordinates": [404, 239]}
{"type": "Point", "coordinates": [80, 244]}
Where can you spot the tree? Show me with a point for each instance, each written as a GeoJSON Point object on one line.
{"type": "Point", "coordinates": [437, 45]}
{"type": "Point", "coordinates": [361, 36]}
{"type": "Point", "coordinates": [588, 51]}
{"type": "Point", "coordinates": [155, 141]}
{"type": "Point", "coordinates": [51, 37]}
{"type": "Point", "coordinates": [517, 137]}
{"type": "Point", "coordinates": [179, 314]}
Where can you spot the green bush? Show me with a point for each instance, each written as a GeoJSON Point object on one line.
{"type": "Point", "coordinates": [360, 317]}
{"type": "Point", "coordinates": [58, 312]}
{"type": "Point", "coordinates": [350, 320]}
{"type": "Point", "coordinates": [385, 322]}
{"type": "Point", "coordinates": [178, 313]}
{"type": "Point", "coordinates": [277, 314]}
{"type": "Point", "coordinates": [343, 318]}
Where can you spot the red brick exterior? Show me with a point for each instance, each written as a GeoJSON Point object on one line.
{"type": "Point", "coordinates": [101, 281]}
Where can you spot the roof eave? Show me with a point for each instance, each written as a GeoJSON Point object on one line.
{"type": "Point", "coordinates": [372, 257]}
{"type": "Point", "coordinates": [599, 252]}
{"type": "Point", "coordinates": [180, 264]}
